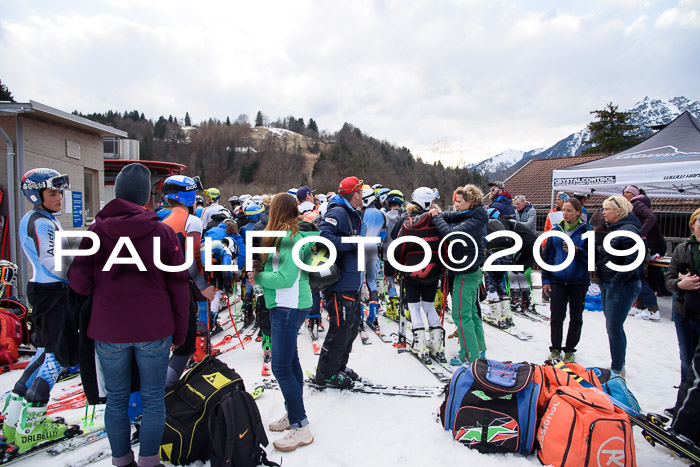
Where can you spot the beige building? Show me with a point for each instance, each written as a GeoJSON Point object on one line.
{"type": "Point", "coordinates": [35, 135]}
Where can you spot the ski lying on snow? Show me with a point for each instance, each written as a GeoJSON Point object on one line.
{"type": "Point", "coordinates": [377, 330]}
{"type": "Point", "coordinates": [9, 457]}
{"type": "Point", "coordinates": [527, 315]}
{"type": "Point", "coordinates": [368, 388]}
{"type": "Point", "coordinates": [513, 331]}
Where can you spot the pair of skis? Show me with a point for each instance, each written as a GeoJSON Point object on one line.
{"type": "Point", "coordinates": [369, 388]}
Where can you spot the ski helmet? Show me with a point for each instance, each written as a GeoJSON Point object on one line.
{"type": "Point", "coordinates": [39, 179]}
{"type": "Point", "coordinates": [257, 199]}
{"type": "Point", "coordinates": [367, 196]}
{"type": "Point", "coordinates": [424, 196]}
{"type": "Point", "coordinates": [381, 194]}
{"type": "Point", "coordinates": [377, 186]}
{"type": "Point", "coordinates": [395, 197]}
{"type": "Point", "coordinates": [198, 199]}
{"type": "Point", "coordinates": [180, 188]}
{"type": "Point", "coordinates": [254, 212]}
{"type": "Point", "coordinates": [322, 198]}
{"type": "Point", "coordinates": [234, 200]}
{"type": "Point", "coordinates": [213, 193]}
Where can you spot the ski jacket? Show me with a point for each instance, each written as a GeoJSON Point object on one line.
{"type": "Point", "coordinates": [527, 217]}
{"type": "Point", "coordinates": [687, 303]}
{"type": "Point", "coordinates": [129, 304]}
{"type": "Point", "coordinates": [470, 222]}
{"type": "Point", "coordinates": [577, 272]}
{"type": "Point", "coordinates": [211, 210]}
{"type": "Point", "coordinates": [650, 230]}
{"type": "Point", "coordinates": [629, 223]}
{"type": "Point", "coordinates": [284, 283]}
{"type": "Point", "coordinates": [218, 233]}
{"type": "Point", "coordinates": [552, 219]}
{"type": "Point", "coordinates": [342, 220]}
{"type": "Point", "coordinates": [392, 218]}
{"type": "Point", "coordinates": [504, 204]}
{"type": "Point", "coordinates": [37, 235]}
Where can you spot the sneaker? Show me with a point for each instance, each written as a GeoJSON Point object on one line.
{"type": "Point", "coordinates": [622, 373]}
{"type": "Point", "coordinates": [644, 314]}
{"type": "Point", "coordinates": [456, 361]}
{"type": "Point", "coordinates": [569, 357]}
{"type": "Point", "coordinates": [555, 355]}
{"type": "Point", "coordinates": [339, 380]}
{"type": "Point", "coordinates": [296, 437]}
{"type": "Point", "coordinates": [634, 311]}
{"type": "Point", "coordinates": [352, 374]}
{"type": "Point", "coordinates": [280, 425]}
{"type": "Point", "coordinates": [655, 316]}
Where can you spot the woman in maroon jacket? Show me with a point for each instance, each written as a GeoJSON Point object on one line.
{"type": "Point", "coordinates": [137, 310]}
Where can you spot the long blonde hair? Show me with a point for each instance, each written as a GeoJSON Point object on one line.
{"type": "Point", "coordinates": [284, 216]}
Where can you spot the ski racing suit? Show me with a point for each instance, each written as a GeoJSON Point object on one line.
{"type": "Point", "coordinates": [373, 225]}
{"type": "Point", "coordinates": [47, 292]}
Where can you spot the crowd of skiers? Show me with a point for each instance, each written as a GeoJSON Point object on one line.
{"type": "Point", "coordinates": [175, 308]}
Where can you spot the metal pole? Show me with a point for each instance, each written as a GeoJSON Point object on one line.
{"type": "Point", "coordinates": [11, 224]}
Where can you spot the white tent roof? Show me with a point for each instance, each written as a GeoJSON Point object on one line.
{"type": "Point", "coordinates": [665, 165]}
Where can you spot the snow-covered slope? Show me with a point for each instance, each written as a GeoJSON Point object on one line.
{"type": "Point", "coordinates": [366, 430]}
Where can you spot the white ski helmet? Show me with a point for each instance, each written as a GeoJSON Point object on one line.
{"type": "Point", "coordinates": [424, 196]}
{"type": "Point", "coordinates": [367, 196]}
{"type": "Point", "coordinates": [257, 199]}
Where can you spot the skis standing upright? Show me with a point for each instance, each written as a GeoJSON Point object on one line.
{"type": "Point", "coordinates": [400, 343]}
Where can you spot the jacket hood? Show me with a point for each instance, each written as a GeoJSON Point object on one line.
{"type": "Point", "coordinates": [120, 218]}
{"type": "Point", "coordinates": [629, 222]}
{"type": "Point", "coordinates": [505, 193]}
{"type": "Point", "coordinates": [642, 199]}
{"type": "Point", "coordinates": [338, 200]}
{"type": "Point", "coordinates": [478, 212]}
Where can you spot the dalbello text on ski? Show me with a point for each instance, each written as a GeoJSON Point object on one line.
{"type": "Point", "coordinates": [456, 237]}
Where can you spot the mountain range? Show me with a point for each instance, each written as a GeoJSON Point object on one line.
{"type": "Point", "coordinates": [645, 114]}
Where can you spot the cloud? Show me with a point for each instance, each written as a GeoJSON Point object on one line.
{"type": "Point", "coordinates": [475, 76]}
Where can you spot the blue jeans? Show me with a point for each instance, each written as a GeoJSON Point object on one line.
{"type": "Point", "coordinates": [152, 361]}
{"type": "Point", "coordinates": [617, 302]}
{"type": "Point", "coordinates": [285, 323]}
{"type": "Point", "coordinates": [687, 333]}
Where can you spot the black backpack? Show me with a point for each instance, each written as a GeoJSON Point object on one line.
{"type": "Point", "coordinates": [411, 254]}
{"type": "Point", "coordinates": [188, 406]}
{"type": "Point", "coordinates": [236, 432]}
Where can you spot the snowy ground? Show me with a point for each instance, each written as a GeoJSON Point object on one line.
{"type": "Point", "coordinates": [353, 429]}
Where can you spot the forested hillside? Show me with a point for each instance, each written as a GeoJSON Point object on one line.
{"type": "Point", "coordinates": [238, 158]}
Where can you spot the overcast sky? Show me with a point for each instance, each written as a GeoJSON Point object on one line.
{"type": "Point", "coordinates": [466, 79]}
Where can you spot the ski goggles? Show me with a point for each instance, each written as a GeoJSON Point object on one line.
{"type": "Point", "coordinates": [58, 182]}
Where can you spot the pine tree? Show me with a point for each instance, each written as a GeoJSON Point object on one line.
{"type": "Point", "coordinates": [188, 122]}
{"type": "Point", "coordinates": [611, 132]}
{"type": "Point", "coordinates": [259, 119]}
{"type": "Point", "coordinates": [312, 125]}
{"type": "Point", "coordinates": [5, 94]}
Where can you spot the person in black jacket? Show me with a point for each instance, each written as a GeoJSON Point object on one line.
{"type": "Point", "coordinates": [683, 279]}
{"type": "Point", "coordinates": [619, 289]}
{"type": "Point", "coordinates": [469, 218]}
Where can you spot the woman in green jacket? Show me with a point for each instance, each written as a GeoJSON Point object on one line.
{"type": "Point", "coordinates": [288, 297]}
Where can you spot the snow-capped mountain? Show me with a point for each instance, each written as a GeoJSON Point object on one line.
{"type": "Point", "coordinates": [645, 114]}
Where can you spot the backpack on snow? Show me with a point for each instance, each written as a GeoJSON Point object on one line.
{"type": "Point", "coordinates": [13, 330]}
{"type": "Point", "coordinates": [616, 387]}
{"type": "Point", "coordinates": [236, 432]}
{"type": "Point", "coordinates": [188, 406]}
{"type": "Point", "coordinates": [491, 406]}
{"type": "Point", "coordinates": [411, 254]}
{"type": "Point", "coordinates": [582, 427]}
{"type": "Point", "coordinates": [550, 378]}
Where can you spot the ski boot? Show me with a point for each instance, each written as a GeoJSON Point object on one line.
{"type": "Point", "coordinates": [505, 320]}
{"type": "Point", "coordinates": [373, 314]}
{"type": "Point", "coordinates": [516, 301]}
{"type": "Point", "coordinates": [392, 310]}
{"type": "Point", "coordinates": [267, 358]}
{"type": "Point", "coordinates": [248, 315]}
{"type": "Point", "coordinates": [493, 313]}
{"type": "Point", "coordinates": [34, 428]}
{"type": "Point", "coordinates": [319, 324]}
{"type": "Point", "coordinates": [10, 411]}
{"type": "Point", "coordinates": [528, 304]}
{"type": "Point", "coordinates": [437, 344]}
{"type": "Point", "coordinates": [418, 347]}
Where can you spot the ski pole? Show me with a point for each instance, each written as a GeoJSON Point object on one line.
{"type": "Point", "coordinates": [443, 300]}
{"type": "Point", "coordinates": [235, 328]}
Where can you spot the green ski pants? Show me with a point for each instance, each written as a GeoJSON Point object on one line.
{"type": "Point", "coordinates": [465, 290]}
